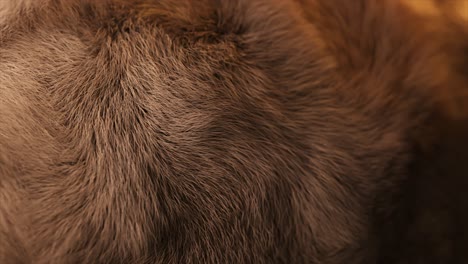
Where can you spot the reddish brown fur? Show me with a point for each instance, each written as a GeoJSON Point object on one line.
{"type": "Point", "coordinates": [245, 131]}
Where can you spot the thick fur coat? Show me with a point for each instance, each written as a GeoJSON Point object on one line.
{"type": "Point", "coordinates": [211, 131]}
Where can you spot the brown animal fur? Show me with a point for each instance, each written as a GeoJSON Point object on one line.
{"type": "Point", "coordinates": [179, 131]}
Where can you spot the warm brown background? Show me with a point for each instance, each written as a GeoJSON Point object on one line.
{"type": "Point", "coordinates": [431, 226]}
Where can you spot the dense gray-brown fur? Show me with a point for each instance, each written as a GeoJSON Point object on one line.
{"type": "Point", "coordinates": [211, 131]}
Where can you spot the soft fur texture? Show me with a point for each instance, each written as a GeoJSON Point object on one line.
{"type": "Point", "coordinates": [209, 131]}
